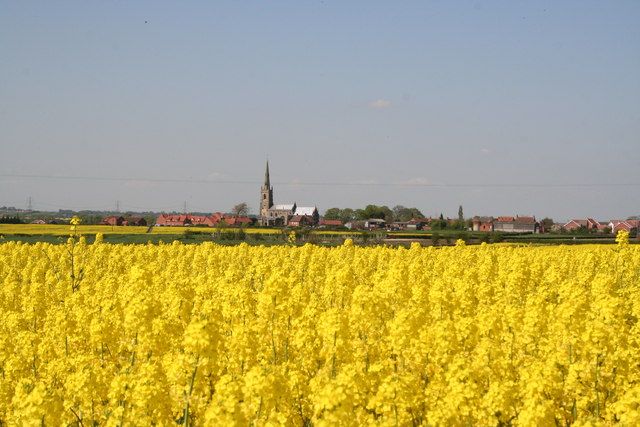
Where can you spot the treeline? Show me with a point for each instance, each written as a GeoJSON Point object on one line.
{"type": "Point", "coordinates": [5, 219]}
{"type": "Point", "coordinates": [397, 213]}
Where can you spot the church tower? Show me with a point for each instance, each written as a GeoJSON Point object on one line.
{"type": "Point", "coordinates": [266, 196]}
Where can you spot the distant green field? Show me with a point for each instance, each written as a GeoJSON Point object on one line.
{"type": "Point", "coordinates": [179, 230]}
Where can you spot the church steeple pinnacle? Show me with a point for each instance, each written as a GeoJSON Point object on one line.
{"type": "Point", "coordinates": [266, 176]}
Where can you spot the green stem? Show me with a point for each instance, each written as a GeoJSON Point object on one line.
{"type": "Point", "coordinates": [193, 379]}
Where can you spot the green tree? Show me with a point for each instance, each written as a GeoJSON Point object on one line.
{"type": "Point", "coordinates": [459, 224]}
{"type": "Point", "coordinates": [347, 214]}
{"type": "Point", "coordinates": [546, 224]}
{"type": "Point", "coordinates": [402, 213]}
{"type": "Point", "coordinates": [399, 213]}
{"type": "Point", "coordinates": [460, 214]}
{"type": "Point", "coordinates": [333, 213]}
{"type": "Point", "coordinates": [360, 214]}
{"type": "Point", "coordinates": [241, 209]}
{"type": "Point", "coordinates": [373, 211]}
{"type": "Point", "coordinates": [439, 224]}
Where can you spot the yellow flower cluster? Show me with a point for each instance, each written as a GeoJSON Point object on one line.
{"type": "Point", "coordinates": [215, 335]}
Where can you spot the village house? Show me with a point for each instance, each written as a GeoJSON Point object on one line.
{"type": "Point", "coordinates": [237, 221]}
{"type": "Point", "coordinates": [629, 225]}
{"type": "Point", "coordinates": [122, 221]}
{"type": "Point", "coordinates": [482, 223]}
{"type": "Point", "coordinates": [355, 225]}
{"type": "Point", "coordinates": [397, 225]}
{"type": "Point", "coordinates": [517, 224]}
{"type": "Point", "coordinates": [113, 221]}
{"type": "Point", "coordinates": [184, 220]}
{"type": "Point", "coordinates": [588, 224]}
{"type": "Point", "coordinates": [375, 223]}
{"type": "Point", "coordinates": [327, 223]}
{"type": "Point", "coordinates": [417, 224]}
{"type": "Point", "coordinates": [301, 221]}
{"type": "Point", "coordinates": [171, 220]}
{"type": "Point", "coordinates": [526, 224]}
{"type": "Point", "coordinates": [136, 221]}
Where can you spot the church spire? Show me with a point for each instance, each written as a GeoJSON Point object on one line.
{"type": "Point", "coordinates": [266, 176]}
{"type": "Point", "coordinates": [266, 198]}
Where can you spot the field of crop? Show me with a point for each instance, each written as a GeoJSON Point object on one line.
{"type": "Point", "coordinates": [204, 334]}
{"type": "Point", "coordinates": [63, 229]}
{"type": "Point", "coordinates": [180, 230]}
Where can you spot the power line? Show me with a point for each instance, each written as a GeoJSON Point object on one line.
{"type": "Point", "coordinates": [328, 183]}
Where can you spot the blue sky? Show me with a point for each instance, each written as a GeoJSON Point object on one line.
{"type": "Point", "coordinates": [504, 107]}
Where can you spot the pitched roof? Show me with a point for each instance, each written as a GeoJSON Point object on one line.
{"type": "Point", "coordinates": [330, 222]}
{"type": "Point", "coordinates": [505, 219]}
{"type": "Point", "coordinates": [282, 207]}
{"type": "Point", "coordinates": [199, 219]}
{"type": "Point", "coordinates": [305, 210]}
{"type": "Point", "coordinates": [525, 219]}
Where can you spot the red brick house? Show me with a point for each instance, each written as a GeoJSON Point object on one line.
{"type": "Point", "coordinates": [626, 225]}
{"type": "Point", "coordinates": [482, 223]}
{"type": "Point", "coordinates": [330, 223]}
{"type": "Point", "coordinates": [217, 218]}
{"type": "Point", "coordinates": [301, 221]}
{"type": "Point", "coordinates": [237, 221]}
{"type": "Point", "coordinates": [168, 220]}
{"type": "Point", "coordinates": [136, 221]}
{"type": "Point", "coordinates": [113, 220]}
{"type": "Point", "coordinates": [588, 224]}
{"type": "Point", "coordinates": [201, 221]}
{"type": "Point", "coordinates": [231, 220]}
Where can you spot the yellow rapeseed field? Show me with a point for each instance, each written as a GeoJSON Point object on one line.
{"type": "Point", "coordinates": [62, 229]}
{"type": "Point", "coordinates": [213, 335]}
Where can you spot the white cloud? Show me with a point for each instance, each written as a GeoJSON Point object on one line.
{"type": "Point", "coordinates": [380, 104]}
{"type": "Point", "coordinates": [363, 182]}
{"type": "Point", "coordinates": [419, 180]}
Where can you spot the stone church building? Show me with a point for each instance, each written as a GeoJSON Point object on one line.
{"type": "Point", "coordinates": [288, 214]}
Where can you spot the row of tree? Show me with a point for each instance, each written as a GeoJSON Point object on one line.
{"type": "Point", "coordinates": [397, 213]}
{"type": "Point", "coordinates": [5, 219]}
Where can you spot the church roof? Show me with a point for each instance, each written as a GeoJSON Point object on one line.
{"type": "Point", "coordinates": [305, 210]}
{"type": "Point", "coordinates": [282, 207]}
